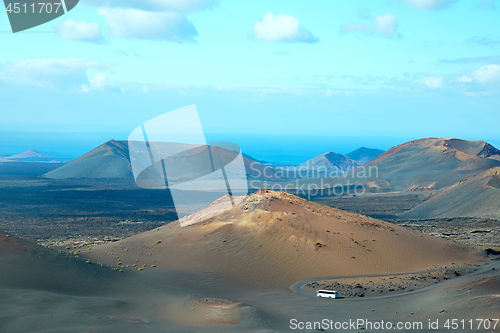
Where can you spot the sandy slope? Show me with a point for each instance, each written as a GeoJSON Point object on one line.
{"type": "Point", "coordinates": [29, 266]}
{"type": "Point", "coordinates": [272, 240]}
{"type": "Point", "coordinates": [42, 290]}
{"type": "Point", "coordinates": [477, 196]}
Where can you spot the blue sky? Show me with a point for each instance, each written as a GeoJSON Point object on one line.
{"type": "Point", "coordinates": [336, 72]}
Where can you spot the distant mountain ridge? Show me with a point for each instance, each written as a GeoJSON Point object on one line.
{"type": "Point", "coordinates": [419, 165]}
{"type": "Point", "coordinates": [364, 155]}
{"type": "Point", "coordinates": [112, 160]}
{"type": "Point", "coordinates": [30, 156]}
{"type": "Point", "coordinates": [327, 163]}
{"type": "Point", "coordinates": [109, 160]}
{"type": "Point", "coordinates": [428, 164]}
{"type": "Point", "coordinates": [473, 148]}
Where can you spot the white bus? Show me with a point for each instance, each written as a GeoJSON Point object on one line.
{"type": "Point", "coordinates": [327, 293]}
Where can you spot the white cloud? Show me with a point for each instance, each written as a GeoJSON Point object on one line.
{"type": "Point", "coordinates": [282, 28]}
{"type": "Point", "coordinates": [98, 82]}
{"type": "Point", "coordinates": [486, 78]}
{"type": "Point", "coordinates": [385, 24]}
{"type": "Point", "coordinates": [382, 25]}
{"type": "Point", "coordinates": [429, 4]}
{"type": "Point", "coordinates": [433, 82]}
{"type": "Point", "coordinates": [60, 73]}
{"type": "Point", "coordinates": [471, 60]}
{"type": "Point", "coordinates": [139, 24]}
{"type": "Point", "coordinates": [181, 6]}
{"type": "Point", "coordinates": [464, 79]}
{"type": "Point", "coordinates": [81, 31]}
{"type": "Point", "coordinates": [486, 41]}
{"type": "Point", "coordinates": [483, 81]}
{"type": "Point", "coordinates": [487, 75]}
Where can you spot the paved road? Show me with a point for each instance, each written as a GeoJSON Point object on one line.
{"type": "Point", "coordinates": [298, 287]}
